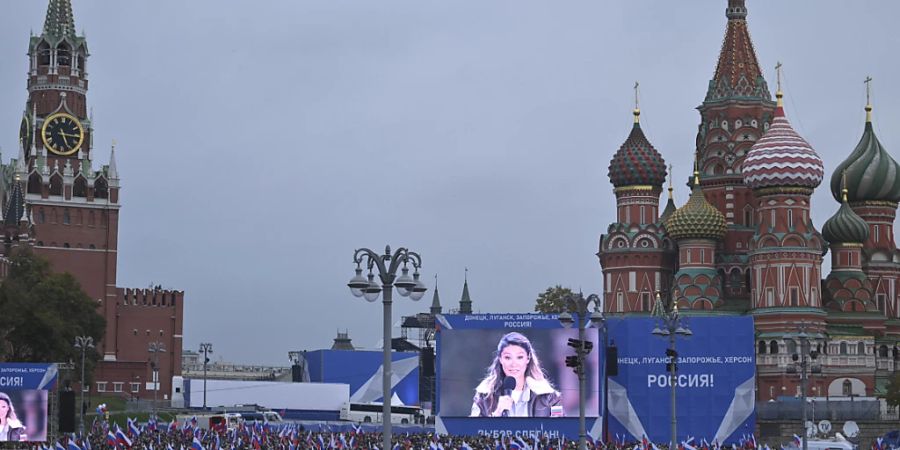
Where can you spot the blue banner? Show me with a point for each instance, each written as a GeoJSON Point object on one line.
{"type": "Point", "coordinates": [24, 392]}
{"type": "Point", "coordinates": [362, 371]}
{"type": "Point", "coordinates": [18, 376]}
{"type": "Point", "coordinates": [714, 382]}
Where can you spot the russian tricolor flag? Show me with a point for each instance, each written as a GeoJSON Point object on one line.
{"type": "Point", "coordinates": [122, 438]}
{"type": "Point", "coordinates": [196, 445]}
{"type": "Point", "coordinates": [111, 439]}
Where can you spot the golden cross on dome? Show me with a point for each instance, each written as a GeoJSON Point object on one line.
{"type": "Point", "coordinates": [636, 85]}
{"type": "Point", "coordinates": [778, 74]}
{"type": "Point", "coordinates": [637, 109]}
{"type": "Point", "coordinates": [868, 82]}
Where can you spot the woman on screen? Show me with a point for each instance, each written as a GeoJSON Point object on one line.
{"type": "Point", "coordinates": [515, 385]}
{"type": "Point", "coordinates": [10, 427]}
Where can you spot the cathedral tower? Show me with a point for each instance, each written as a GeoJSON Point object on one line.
{"type": "Point", "coordinates": [698, 228]}
{"type": "Point", "coordinates": [786, 250]}
{"type": "Point", "coordinates": [636, 256]}
{"type": "Point", "coordinates": [735, 113]}
{"type": "Point", "coordinates": [873, 192]}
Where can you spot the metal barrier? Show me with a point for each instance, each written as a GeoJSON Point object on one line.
{"type": "Point", "coordinates": [820, 410]}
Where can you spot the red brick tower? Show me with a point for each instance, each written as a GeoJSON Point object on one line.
{"type": "Point", "coordinates": [847, 288]}
{"type": "Point", "coordinates": [871, 187]}
{"type": "Point", "coordinates": [873, 191]}
{"type": "Point", "coordinates": [735, 113]}
{"type": "Point", "coordinates": [786, 250]}
{"type": "Point", "coordinates": [698, 228]}
{"type": "Point", "coordinates": [75, 208]}
{"type": "Point", "coordinates": [636, 256]}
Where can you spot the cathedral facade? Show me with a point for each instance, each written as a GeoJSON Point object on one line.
{"type": "Point", "coordinates": [64, 206]}
{"type": "Point", "coordinates": [744, 242]}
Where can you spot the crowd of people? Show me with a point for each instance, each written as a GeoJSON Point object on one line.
{"type": "Point", "coordinates": [294, 436]}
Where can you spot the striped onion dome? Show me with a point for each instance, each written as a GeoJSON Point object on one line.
{"type": "Point", "coordinates": [697, 219]}
{"type": "Point", "coordinates": [871, 172]}
{"type": "Point", "coordinates": [845, 226]}
{"type": "Point", "coordinates": [781, 158]}
{"type": "Point", "coordinates": [637, 162]}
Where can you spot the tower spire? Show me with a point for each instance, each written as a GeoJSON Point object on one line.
{"type": "Point", "coordinates": [435, 300]}
{"type": "Point", "coordinates": [868, 82]}
{"type": "Point", "coordinates": [60, 21]}
{"type": "Point", "coordinates": [737, 71]}
{"type": "Point", "coordinates": [465, 302]}
{"type": "Point", "coordinates": [113, 171]}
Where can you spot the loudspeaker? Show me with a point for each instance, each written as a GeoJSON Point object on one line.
{"type": "Point", "coordinates": [427, 356]}
{"type": "Point", "coordinates": [612, 361]}
{"type": "Point", "coordinates": [67, 412]}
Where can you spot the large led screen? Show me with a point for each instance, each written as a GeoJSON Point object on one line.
{"type": "Point", "coordinates": [474, 364]}
{"type": "Point", "coordinates": [23, 401]}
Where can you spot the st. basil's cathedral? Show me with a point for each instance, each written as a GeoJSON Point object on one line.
{"type": "Point", "coordinates": [744, 242]}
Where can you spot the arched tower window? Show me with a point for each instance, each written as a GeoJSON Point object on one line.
{"type": "Point", "coordinates": [843, 348]}
{"type": "Point", "coordinates": [56, 185]}
{"type": "Point", "coordinates": [860, 348]}
{"type": "Point", "coordinates": [762, 347]}
{"type": "Point", "coordinates": [34, 183]}
{"type": "Point", "coordinates": [63, 54]}
{"type": "Point", "coordinates": [79, 189]}
{"type": "Point", "coordinates": [43, 54]}
{"type": "Point", "coordinates": [847, 388]}
{"type": "Point", "coordinates": [101, 189]}
{"type": "Point", "coordinates": [773, 347]}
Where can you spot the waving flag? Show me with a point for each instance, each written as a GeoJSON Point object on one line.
{"type": "Point", "coordinates": [798, 441]}
{"type": "Point", "coordinates": [111, 439]}
{"type": "Point", "coordinates": [133, 429]}
{"type": "Point", "coordinates": [196, 445]}
{"type": "Point", "coordinates": [122, 438]}
{"type": "Point", "coordinates": [59, 446]}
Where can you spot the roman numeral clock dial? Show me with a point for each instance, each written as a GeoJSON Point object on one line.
{"type": "Point", "coordinates": [62, 134]}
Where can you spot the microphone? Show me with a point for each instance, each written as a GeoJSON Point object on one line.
{"type": "Point", "coordinates": [509, 383]}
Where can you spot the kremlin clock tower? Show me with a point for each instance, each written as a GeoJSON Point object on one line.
{"type": "Point", "coordinates": [59, 201]}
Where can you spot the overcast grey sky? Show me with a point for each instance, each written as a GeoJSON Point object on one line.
{"type": "Point", "coordinates": [260, 143]}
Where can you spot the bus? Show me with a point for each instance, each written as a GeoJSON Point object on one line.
{"type": "Point", "coordinates": [371, 413]}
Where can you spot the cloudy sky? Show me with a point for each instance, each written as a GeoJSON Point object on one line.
{"type": "Point", "coordinates": [261, 143]}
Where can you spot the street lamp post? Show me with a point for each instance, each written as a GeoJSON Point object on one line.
{"type": "Point", "coordinates": [205, 348]}
{"type": "Point", "coordinates": [671, 325]}
{"type": "Point", "coordinates": [155, 348]}
{"type": "Point", "coordinates": [803, 364]}
{"type": "Point", "coordinates": [578, 305]}
{"type": "Point", "coordinates": [366, 287]}
{"type": "Point", "coordinates": [83, 343]}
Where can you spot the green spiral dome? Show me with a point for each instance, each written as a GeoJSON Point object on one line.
{"type": "Point", "coordinates": [697, 219]}
{"type": "Point", "coordinates": [845, 226]}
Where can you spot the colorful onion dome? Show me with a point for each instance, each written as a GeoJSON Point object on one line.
{"type": "Point", "coordinates": [845, 226]}
{"type": "Point", "coordinates": [637, 162]}
{"type": "Point", "coordinates": [781, 158]}
{"type": "Point", "coordinates": [871, 172]}
{"type": "Point", "coordinates": [697, 219]}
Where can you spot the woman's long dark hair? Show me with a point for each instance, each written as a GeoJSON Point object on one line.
{"type": "Point", "coordinates": [12, 410]}
{"type": "Point", "coordinates": [494, 377]}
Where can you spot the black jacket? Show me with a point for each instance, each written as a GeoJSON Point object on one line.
{"type": "Point", "coordinates": [542, 398]}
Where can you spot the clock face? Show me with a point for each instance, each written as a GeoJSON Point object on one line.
{"type": "Point", "coordinates": [62, 134]}
{"type": "Point", "coordinates": [25, 133]}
